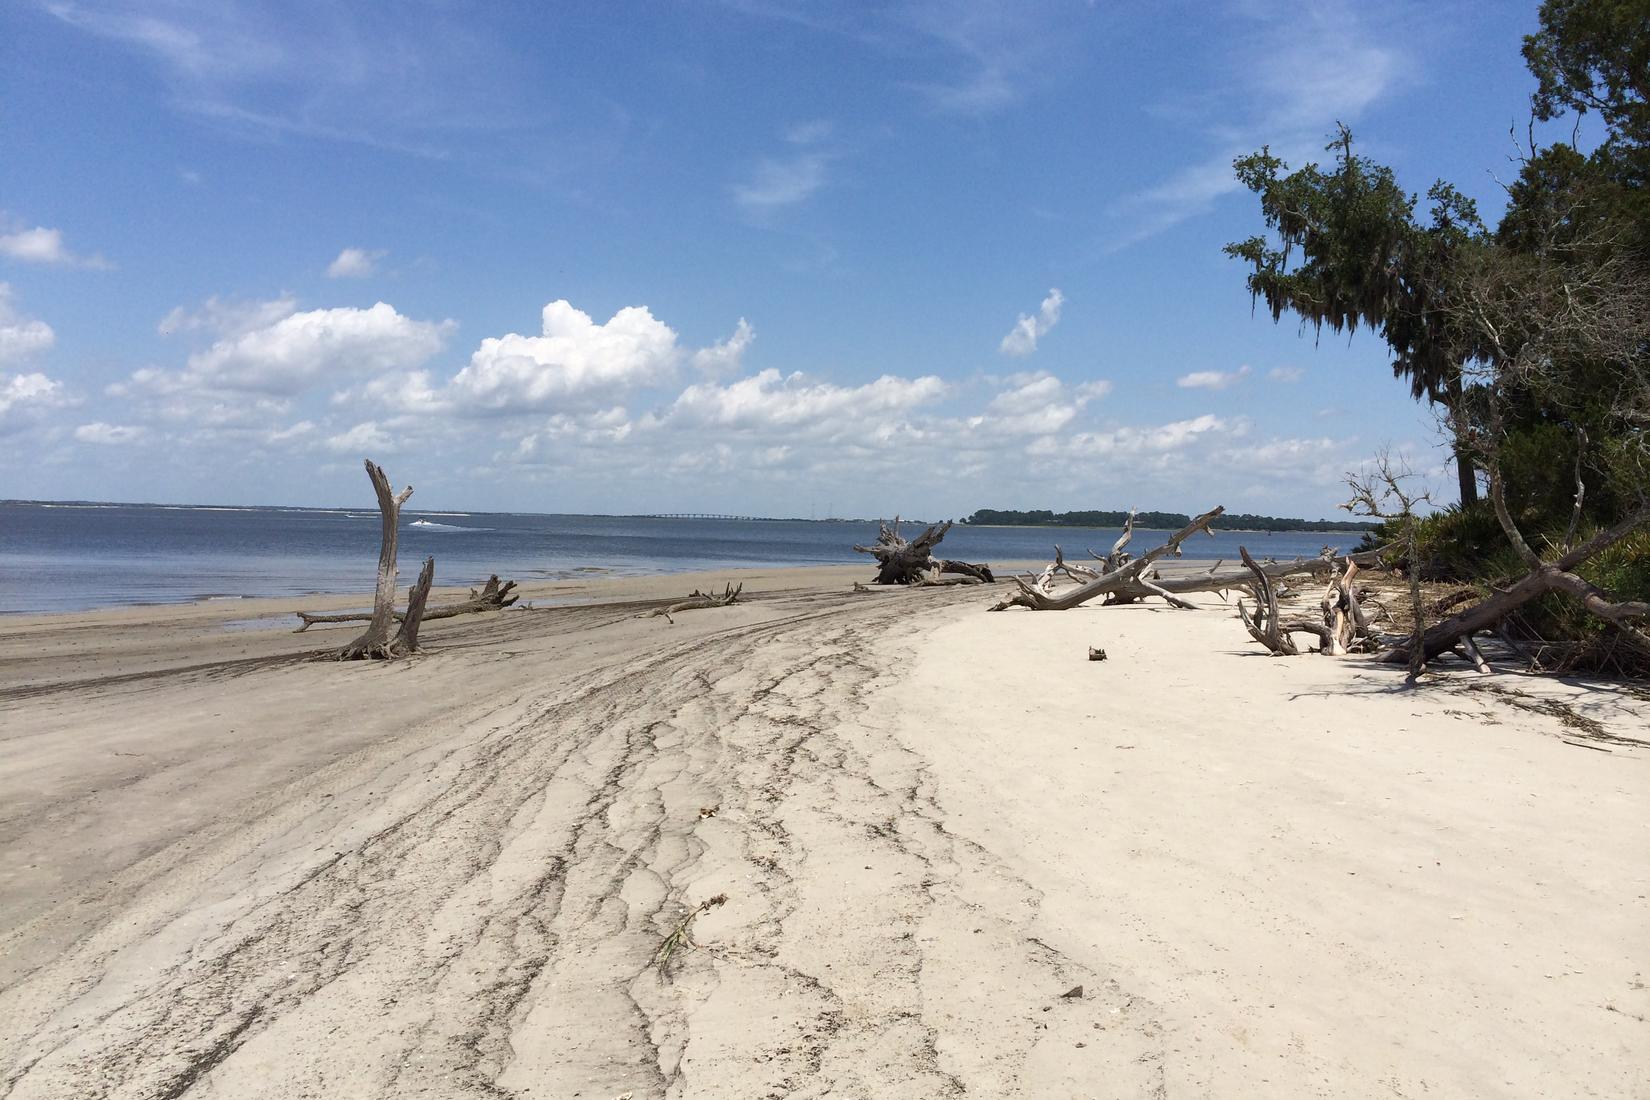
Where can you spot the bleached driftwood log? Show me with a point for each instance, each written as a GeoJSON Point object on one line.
{"type": "Point", "coordinates": [492, 597]}
{"type": "Point", "coordinates": [375, 641]}
{"type": "Point", "coordinates": [698, 599]}
{"type": "Point", "coordinates": [902, 561]}
{"type": "Point", "coordinates": [1125, 579]}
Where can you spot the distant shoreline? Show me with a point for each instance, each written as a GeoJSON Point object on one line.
{"type": "Point", "coordinates": [1118, 527]}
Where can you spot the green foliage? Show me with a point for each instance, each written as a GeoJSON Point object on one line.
{"type": "Point", "coordinates": [1168, 521]}
{"type": "Point", "coordinates": [1590, 643]}
{"type": "Point", "coordinates": [1594, 55]}
{"type": "Point", "coordinates": [1350, 252]}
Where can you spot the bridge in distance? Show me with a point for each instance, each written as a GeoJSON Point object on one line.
{"type": "Point", "coordinates": [694, 515]}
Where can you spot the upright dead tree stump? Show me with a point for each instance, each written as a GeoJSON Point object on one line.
{"type": "Point", "coordinates": [375, 642]}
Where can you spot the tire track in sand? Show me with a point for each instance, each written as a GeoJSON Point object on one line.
{"type": "Point", "coordinates": [490, 928]}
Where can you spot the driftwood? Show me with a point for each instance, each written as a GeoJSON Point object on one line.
{"type": "Point", "coordinates": [1118, 557]}
{"type": "Point", "coordinates": [1264, 625]}
{"type": "Point", "coordinates": [729, 595]}
{"type": "Point", "coordinates": [1341, 627]}
{"type": "Point", "coordinates": [375, 641]}
{"type": "Point", "coordinates": [492, 597]}
{"type": "Point", "coordinates": [406, 639]}
{"type": "Point", "coordinates": [978, 570]}
{"type": "Point", "coordinates": [902, 561]}
{"type": "Point", "coordinates": [1038, 596]}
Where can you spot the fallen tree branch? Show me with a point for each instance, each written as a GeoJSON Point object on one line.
{"type": "Point", "coordinates": [1032, 597]}
{"type": "Point", "coordinates": [492, 597]}
{"type": "Point", "coordinates": [697, 601]}
{"type": "Point", "coordinates": [1543, 577]}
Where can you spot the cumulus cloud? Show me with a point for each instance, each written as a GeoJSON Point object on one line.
{"type": "Point", "coordinates": [300, 349]}
{"type": "Point", "coordinates": [1022, 339]}
{"type": "Point", "coordinates": [1286, 374]}
{"type": "Point", "coordinates": [725, 357]}
{"type": "Point", "coordinates": [574, 358]}
{"type": "Point", "coordinates": [22, 396]}
{"type": "Point", "coordinates": [1212, 379]}
{"type": "Point", "coordinates": [355, 263]}
{"type": "Point", "coordinates": [20, 337]}
{"type": "Point", "coordinates": [109, 434]}
{"type": "Point", "coordinates": [41, 245]}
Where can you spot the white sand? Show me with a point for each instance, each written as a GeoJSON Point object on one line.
{"type": "Point", "coordinates": [226, 873]}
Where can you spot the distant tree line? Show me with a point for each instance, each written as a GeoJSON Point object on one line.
{"type": "Point", "coordinates": [1170, 521]}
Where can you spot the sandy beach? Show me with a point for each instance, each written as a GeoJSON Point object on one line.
{"type": "Point", "coordinates": [957, 857]}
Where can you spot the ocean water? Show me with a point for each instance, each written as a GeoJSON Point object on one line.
{"type": "Point", "coordinates": [67, 557]}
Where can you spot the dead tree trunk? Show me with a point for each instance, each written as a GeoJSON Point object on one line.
{"type": "Point", "coordinates": [900, 561]}
{"type": "Point", "coordinates": [492, 597]}
{"type": "Point", "coordinates": [406, 639]}
{"type": "Point", "coordinates": [375, 641]}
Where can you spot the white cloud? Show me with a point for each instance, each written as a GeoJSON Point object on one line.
{"type": "Point", "coordinates": [365, 438]}
{"type": "Point", "coordinates": [301, 349]}
{"type": "Point", "coordinates": [1138, 440]}
{"type": "Point", "coordinates": [20, 337]}
{"type": "Point", "coordinates": [1286, 374]}
{"type": "Point", "coordinates": [780, 183]}
{"type": "Point", "coordinates": [227, 317]}
{"type": "Point", "coordinates": [22, 396]}
{"type": "Point", "coordinates": [725, 357]}
{"type": "Point", "coordinates": [109, 434]}
{"type": "Point", "coordinates": [355, 263]}
{"type": "Point", "coordinates": [575, 358]}
{"type": "Point", "coordinates": [771, 401]}
{"type": "Point", "coordinates": [45, 246]}
{"type": "Point", "coordinates": [1022, 339]}
{"type": "Point", "coordinates": [1036, 404]}
{"type": "Point", "coordinates": [1212, 379]}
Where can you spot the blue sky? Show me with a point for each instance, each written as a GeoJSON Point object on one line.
{"type": "Point", "coordinates": [753, 256]}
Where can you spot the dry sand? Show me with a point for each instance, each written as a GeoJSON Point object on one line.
{"type": "Point", "coordinates": [228, 872]}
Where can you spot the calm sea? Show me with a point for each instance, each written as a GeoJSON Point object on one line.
{"type": "Point", "coordinates": [66, 557]}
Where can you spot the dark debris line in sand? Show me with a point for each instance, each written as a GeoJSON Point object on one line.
{"type": "Point", "coordinates": [500, 927]}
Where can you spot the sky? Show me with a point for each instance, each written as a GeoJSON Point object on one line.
{"type": "Point", "coordinates": [756, 256]}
